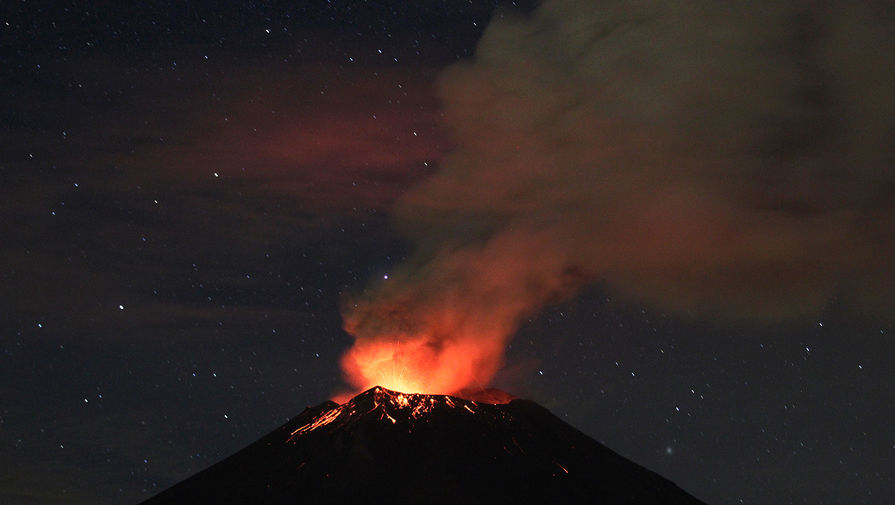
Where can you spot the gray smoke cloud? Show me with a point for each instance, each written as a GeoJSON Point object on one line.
{"type": "Point", "coordinates": [721, 159]}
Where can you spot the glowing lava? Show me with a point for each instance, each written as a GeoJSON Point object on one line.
{"type": "Point", "coordinates": [394, 407]}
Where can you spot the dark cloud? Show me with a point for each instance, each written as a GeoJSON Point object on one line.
{"type": "Point", "coordinates": [119, 176]}
{"type": "Point", "coordinates": [709, 158]}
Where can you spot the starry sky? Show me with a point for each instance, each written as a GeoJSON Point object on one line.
{"type": "Point", "coordinates": [191, 190]}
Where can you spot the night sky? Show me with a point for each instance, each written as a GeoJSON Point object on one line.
{"type": "Point", "coordinates": [192, 191]}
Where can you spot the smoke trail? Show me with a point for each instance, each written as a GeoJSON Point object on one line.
{"type": "Point", "coordinates": [722, 159]}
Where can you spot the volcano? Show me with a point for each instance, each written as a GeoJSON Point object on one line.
{"type": "Point", "coordinates": [383, 446]}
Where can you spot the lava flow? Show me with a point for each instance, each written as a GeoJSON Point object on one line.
{"type": "Point", "coordinates": [389, 406]}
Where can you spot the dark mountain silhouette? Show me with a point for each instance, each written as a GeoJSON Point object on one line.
{"type": "Point", "coordinates": [388, 447]}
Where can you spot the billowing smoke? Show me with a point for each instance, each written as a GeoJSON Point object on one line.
{"type": "Point", "coordinates": [720, 159]}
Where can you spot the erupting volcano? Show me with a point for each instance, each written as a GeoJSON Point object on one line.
{"type": "Point", "coordinates": [383, 446]}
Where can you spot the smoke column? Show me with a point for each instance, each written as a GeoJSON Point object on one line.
{"type": "Point", "coordinates": [715, 159]}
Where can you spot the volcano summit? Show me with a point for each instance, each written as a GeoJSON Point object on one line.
{"type": "Point", "coordinates": [384, 446]}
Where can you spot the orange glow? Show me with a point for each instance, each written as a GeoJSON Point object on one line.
{"type": "Point", "coordinates": [422, 364]}
{"type": "Point", "coordinates": [444, 329]}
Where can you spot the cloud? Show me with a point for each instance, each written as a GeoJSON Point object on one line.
{"type": "Point", "coordinates": [716, 159]}
{"type": "Point", "coordinates": [116, 183]}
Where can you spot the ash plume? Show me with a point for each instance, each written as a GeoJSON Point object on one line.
{"type": "Point", "coordinates": [715, 159]}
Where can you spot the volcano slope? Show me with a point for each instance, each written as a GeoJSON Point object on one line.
{"type": "Point", "coordinates": [389, 447]}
